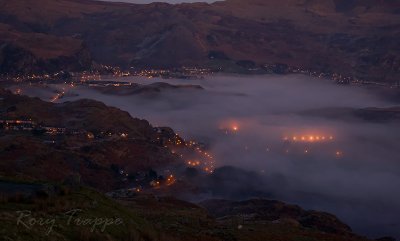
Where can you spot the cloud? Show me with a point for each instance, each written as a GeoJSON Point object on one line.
{"type": "Point", "coordinates": [355, 175]}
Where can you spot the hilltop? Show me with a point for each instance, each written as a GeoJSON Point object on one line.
{"type": "Point", "coordinates": [100, 146]}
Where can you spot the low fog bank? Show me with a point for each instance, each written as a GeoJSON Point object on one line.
{"type": "Point", "coordinates": [257, 124]}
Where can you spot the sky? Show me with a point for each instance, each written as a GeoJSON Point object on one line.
{"type": "Point", "coordinates": [150, 1]}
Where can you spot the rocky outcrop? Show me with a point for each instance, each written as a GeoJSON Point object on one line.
{"type": "Point", "coordinates": [16, 60]}
{"type": "Point", "coordinates": [261, 210]}
{"type": "Point", "coordinates": [100, 144]}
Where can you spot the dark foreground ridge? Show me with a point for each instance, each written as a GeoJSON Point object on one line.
{"type": "Point", "coordinates": [43, 211]}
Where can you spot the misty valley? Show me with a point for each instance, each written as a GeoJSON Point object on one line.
{"type": "Point", "coordinates": [199, 120]}
{"type": "Point", "coordinates": [300, 139]}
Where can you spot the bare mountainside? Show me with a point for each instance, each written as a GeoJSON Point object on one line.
{"type": "Point", "coordinates": [86, 138]}
{"type": "Point", "coordinates": [354, 38]}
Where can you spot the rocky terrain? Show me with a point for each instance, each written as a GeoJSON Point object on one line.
{"type": "Point", "coordinates": [71, 212]}
{"type": "Point", "coordinates": [353, 38]}
{"type": "Point", "coordinates": [261, 211]}
{"type": "Point", "coordinates": [95, 143]}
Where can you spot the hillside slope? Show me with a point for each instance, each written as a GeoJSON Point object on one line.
{"type": "Point", "coordinates": [97, 145]}
{"type": "Point", "coordinates": [355, 38]}
{"type": "Point", "coordinates": [79, 213]}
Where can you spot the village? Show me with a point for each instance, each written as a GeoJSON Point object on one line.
{"type": "Point", "coordinates": [106, 72]}
{"type": "Point", "coordinates": [191, 153]}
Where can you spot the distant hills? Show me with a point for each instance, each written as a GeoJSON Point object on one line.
{"type": "Point", "coordinates": [355, 38]}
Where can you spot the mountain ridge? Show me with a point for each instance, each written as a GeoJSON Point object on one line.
{"type": "Point", "coordinates": [356, 39]}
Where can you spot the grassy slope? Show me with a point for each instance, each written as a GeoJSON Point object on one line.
{"type": "Point", "coordinates": [144, 218]}
{"type": "Point", "coordinates": [92, 205]}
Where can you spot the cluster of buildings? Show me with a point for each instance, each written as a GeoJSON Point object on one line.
{"type": "Point", "coordinates": [337, 78]}
{"type": "Point", "coordinates": [182, 72]}
{"type": "Point", "coordinates": [37, 78]}
{"type": "Point", "coordinates": [116, 72]}
{"type": "Point", "coordinates": [88, 76]}
{"type": "Point", "coordinates": [18, 125]}
{"type": "Point", "coordinates": [94, 83]}
{"type": "Point", "coordinates": [195, 153]}
{"type": "Point", "coordinates": [30, 125]}
{"type": "Point", "coordinates": [102, 135]}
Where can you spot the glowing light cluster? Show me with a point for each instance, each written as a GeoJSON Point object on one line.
{"type": "Point", "coordinates": [171, 180]}
{"type": "Point", "coordinates": [308, 138]}
{"type": "Point", "coordinates": [194, 153]}
{"type": "Point", "coordinates": [60, 95]}
{"type": "Point", "coordinates": [339, 153]}
{"type": "Point", "coordinates": [18, 91]}
{"type": "Point", "coordinates": [229, 127]}
{"type": "Point", "coordinates": [193, 163]}
{"type": "Point", "coordinates": [206, 162]}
